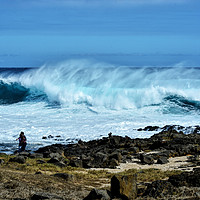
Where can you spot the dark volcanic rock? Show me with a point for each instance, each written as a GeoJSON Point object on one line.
{"type": "Point", "coordinates": [39, 196]}
{"type": "Point", "coordinates": [53, 160]}
{"type": "Point", "coordinates": [56, 156]}
{"type": "Point", "coordinates": [116, 155]}
{"type": "Point", "coordinates": [76, 163]}
{"type": "Point", "coordinates": [98, 195]}
{"type": "Point", "coordinates": [56, 162]}
{"type": "Point", "coordinates": [115, 141]}
{"type": "Point", "coordinates": [113, 163]}
{"type": "Point", "coordinates": [18, 159]}
{"type": "Point", "coordinates": [159, 189]}
{"type": "Point", "coordinates": [146, 159]}
{"type": "Point", "coordinates": [108, 152]}
{"type": "Point", "coordinates": [55, 148]}
{"type": "Point", "coordinates": [183, 184]}
{"type": "Point", "coordinates": [190, 179]}
{"type": "Point", "coordinates": [149, 128]}
{"type": "Point", "coordinates": [162, 160]}
{"type": "Point", "coordinates": [124, 187]}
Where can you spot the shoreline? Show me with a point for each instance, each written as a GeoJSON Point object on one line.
{"type": "Point", "coordinates": [90, 165]}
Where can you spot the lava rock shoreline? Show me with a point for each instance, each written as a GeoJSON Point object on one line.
{"type": "Point", "coordinates": [110, 151]}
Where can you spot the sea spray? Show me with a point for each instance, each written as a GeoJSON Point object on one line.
{"type": "Point", "coordinates": [112, 87]}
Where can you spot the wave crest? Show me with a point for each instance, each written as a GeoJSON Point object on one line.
{"type": "Point", "coordinates": [12, 93]}
{"type": "Point", "coordinates": [114, 87]}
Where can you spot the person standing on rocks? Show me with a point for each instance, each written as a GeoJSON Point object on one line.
{"type": "Point", "coordinates": [22, 141]}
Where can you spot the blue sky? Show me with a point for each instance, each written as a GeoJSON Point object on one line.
{"type": "Point", "coordinates": [34, 32]}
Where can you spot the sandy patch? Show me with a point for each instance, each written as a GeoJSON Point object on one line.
{"type": "Point", "coordinates": [176, 163]}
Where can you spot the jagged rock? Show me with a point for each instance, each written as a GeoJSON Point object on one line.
{"type": "Point", "coordinates": [166, 153]}
{"type": "Point", "coordinates": [18, 159]}
{"type": "Point", "coordinates": [116, 155]}
{"type": "Point", "coordinates": [134, 150]}
{"type": "Point", "coordinates": [146, 159]}
{"type": "Point", "coordinates": [190, 179]}
{"type": "Point", "coordinates": [162, 160]}
{"type": "Point", "coordinates": [113, 163]}
{"type": "Point", "coordinates": [57, 156]}
{"type": "Point", "coordinates": [100, 157]}
{"type": "Point", "coordinates": [76, 163]}
{"type": "Point", "coordinates": [124, 187]}
{"type": "Point", "coordinates": [115, 140]}
{"type": "Point", "coordinates": [96, 194]}
{"type": "Point", "coordinates": [149, 128]}
{"type": "Point", "coordinates": [159, 189]}
{"type": "Point", "coordinates": [170, 142]}
{"type": "Point", "coordinates": [55, 148]}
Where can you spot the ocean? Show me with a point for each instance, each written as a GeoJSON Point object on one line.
{"type": "Point", "coordinates": [83, 99]}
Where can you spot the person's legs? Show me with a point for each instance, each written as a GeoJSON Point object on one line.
{"type": "Point", "coordinates": [23, 147]}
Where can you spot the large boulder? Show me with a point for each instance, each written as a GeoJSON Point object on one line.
{"type": "Point", "coordinates": [76, 163]}
{"type": "Point", "coordinates": [18, 159]}
{"type": "Point", "coordinates": [146, 159]}
{"type": "Point", "coordinates": [48, 150]}
{"type": "Point", "coordinates": [124, 187]}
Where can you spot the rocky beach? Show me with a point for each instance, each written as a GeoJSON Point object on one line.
{"type": "Point", "coordinates": [164, 166]}
{"type": "Point", "coordinates": [103, 97]}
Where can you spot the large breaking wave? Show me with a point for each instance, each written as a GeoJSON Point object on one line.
{"type": "Point", "coordinates": [169, 89]}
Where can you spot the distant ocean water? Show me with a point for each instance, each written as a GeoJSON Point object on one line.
{"type": "Point", "coordinates": [81, 99]}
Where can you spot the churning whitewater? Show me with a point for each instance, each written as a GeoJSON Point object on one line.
{"type": "Point", "coordinates": [81, 99]}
